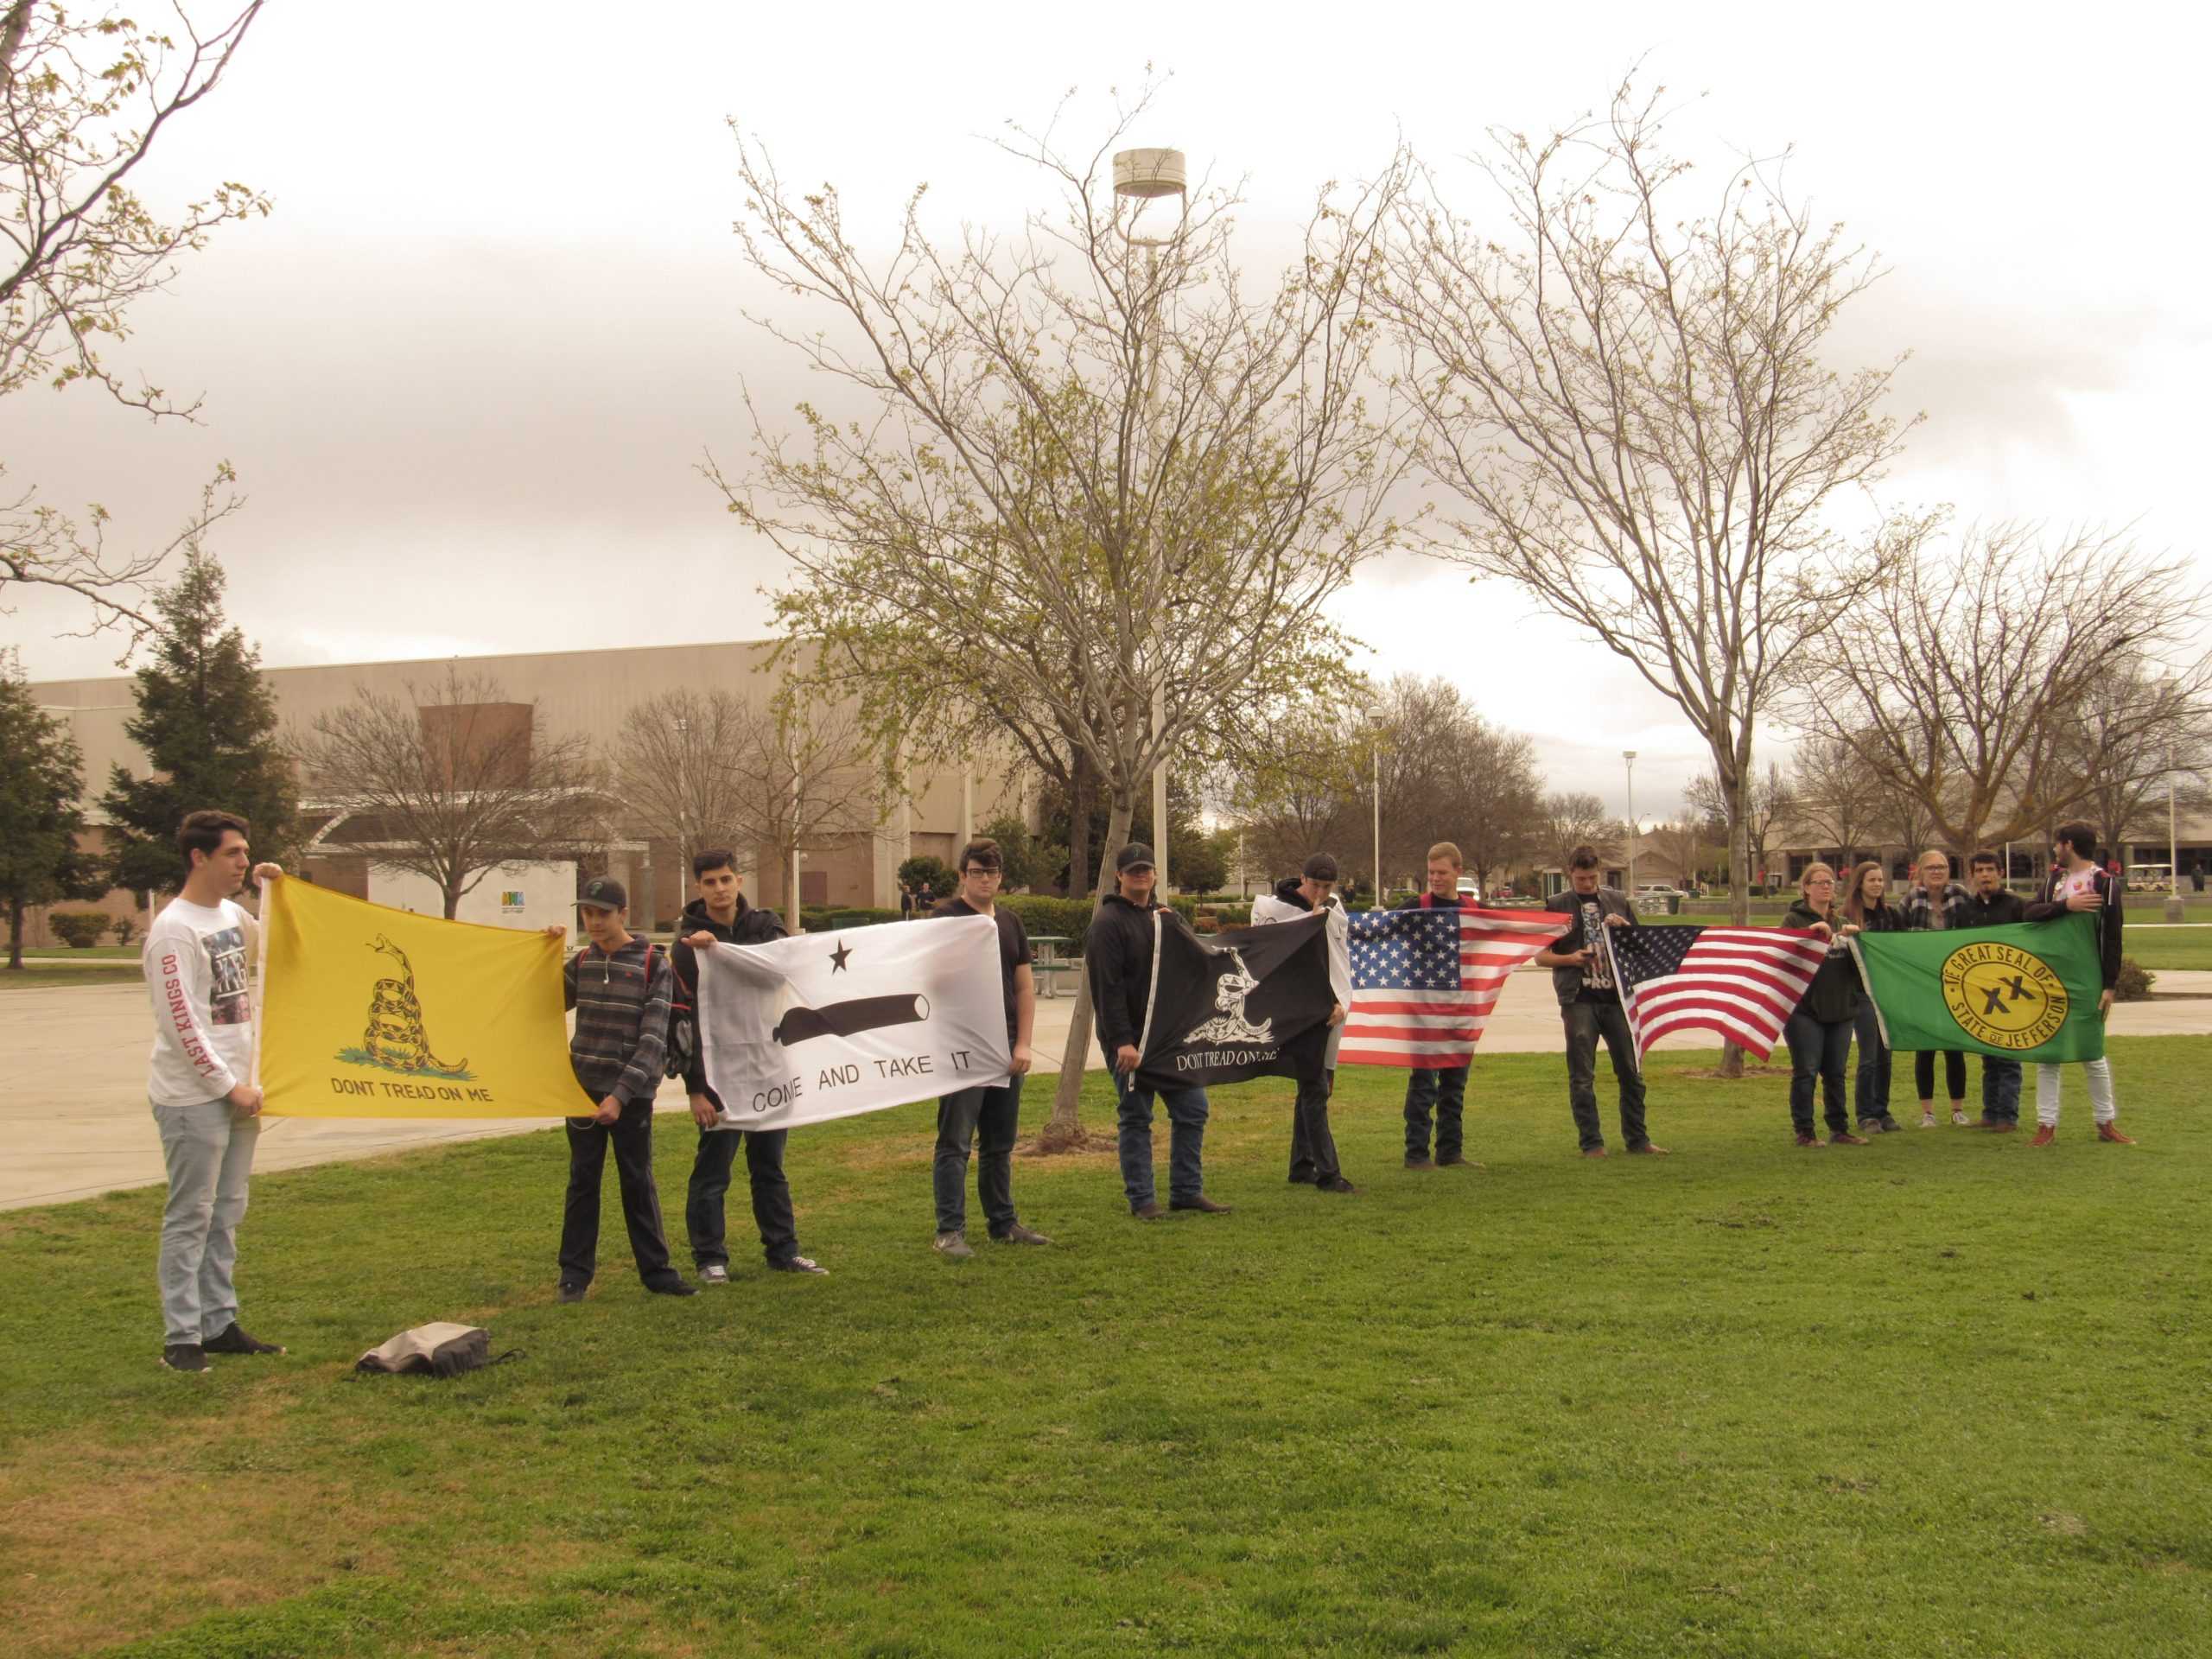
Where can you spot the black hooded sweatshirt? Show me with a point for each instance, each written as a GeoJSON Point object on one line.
{"type": "Point", "coordinates": [750, 925]}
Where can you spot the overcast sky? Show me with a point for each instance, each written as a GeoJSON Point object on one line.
{"type": "Point", "coordinates": [469, 368]}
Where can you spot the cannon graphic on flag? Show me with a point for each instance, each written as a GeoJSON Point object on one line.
{"type": "Point", "coordinates": [801, 1025]}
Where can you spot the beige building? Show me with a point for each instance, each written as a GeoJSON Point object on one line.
{"type": "Point", "coordinates": [586, 693]}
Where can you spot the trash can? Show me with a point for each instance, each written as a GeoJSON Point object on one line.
{"type": "Point", "coordinates": [1674, 903]}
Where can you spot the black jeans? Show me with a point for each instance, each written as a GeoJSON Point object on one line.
{"type": "Point", "coordinates": [1444, 1089]}
{"type": "Point", "coordinates": [1817, 1048]}
{"type": "Point", "coordinates": [1955, 1074]}
{"type": "Point", "coordinates": [633, 1136]}
{"type": "Point", "coordinates": [2000, 1089]}
{"type": "Point", "coordinates": [772, 1195]}
{"type": "Point", "coordinates": [1312, 1147]}
{"type": "Point", "coordinates": [990, 1119]}
{"type": "Point", "coordinates": [1585, 1022]}
{"type": "Point", "coordinates": [1869, 1085]}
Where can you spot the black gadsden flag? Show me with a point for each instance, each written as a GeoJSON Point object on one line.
{"type": "Point", "coordinates": [1250, 1003]}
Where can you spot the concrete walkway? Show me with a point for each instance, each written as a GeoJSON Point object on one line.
{"type": "Point", "coordinates": [77, 1125]}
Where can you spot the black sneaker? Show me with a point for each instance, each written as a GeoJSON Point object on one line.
{"type": "Point", "coordinates": [234, 1340]}
{"type": "Point", "coordinates": [572, 1293]}
{"type": "Point", "coordinates": [184, 1357]}
{"type": "Point", "coordinates": [798, 1264]}
{"type": "Point", "coordinates": [1448, 1160]}
{"type": "Point", "coordinates": [673, 1288]}
{"type": "Point", "coordinates": [1335, 1184]}
{"type": "Point", "coordinates": [1418, 1160]}
{"type": "Point", "coordinates": [1306, 1180]}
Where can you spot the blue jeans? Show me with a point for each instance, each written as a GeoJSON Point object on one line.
{"type": "Point", "coordinates": [988, 1119]}
{"type": "Point", "coordinates": [703, 1211]}
{"type": "Point", "coordinates": [1186, 1135]}
{"type": "Point", "coordinates": [1818, 1048]}
{"type": "Point", "coordinates": [209, 1149]}
{"type": "Point", "coordinates": [1446, 1089]}
{"type": "Point", "coordinates": [2000, 1089]}
{"type": "Point", "coordinates": [1871, 1084]}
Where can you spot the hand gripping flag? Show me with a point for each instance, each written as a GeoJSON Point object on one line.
{"type": "Point", "coordinates": [1250, 1002]}
{"type": "Point", "coordinates": [1424, 979]}
{"type": "Point", "coordinates": [371, 1012]}
{"type": "Point", "coordinates": [1740, 982]}
{"type": "Point", "coordinates": [2023, 992]}
{"type": "Point", "coordinates": [829, 1025]}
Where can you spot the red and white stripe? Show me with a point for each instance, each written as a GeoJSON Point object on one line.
{"type": "Point", "coordinates": [1741, 982]}
{"type": "Point", "coordinates": [1439, 1029]}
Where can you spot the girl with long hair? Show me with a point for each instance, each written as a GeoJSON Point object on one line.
{"type": "Point", "coordinates": [1819, 1032]}
{"type": "Point", "coordinates": [1866, 907]}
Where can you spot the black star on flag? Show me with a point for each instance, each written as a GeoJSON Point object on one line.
{"type": "Point", "coordinates": [837, 957]}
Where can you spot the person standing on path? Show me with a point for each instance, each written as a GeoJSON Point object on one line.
{"type": "Point", "coordinates": [720, 913]}
{"type": "Point", "coordinates": [1866, 908]}
{"type": "Point", "coordinates": [1117, 956]}
{"type": "Point", "coordinates": [1819, 1032]}
{"type": "Point", "coordinates": [1990, 904]}
{"type": "Point", "coordinates": [621, 987]}
{"type": "Point", "coordinates": [1590, 1006]}
{"type": "Point", "coordinates": [988, 1116]}
{"type": "Point", "coordinates": [2077, 886]}
{"type": "Point", "coordinates": [1441, 1089]}
{"type": "Point", "coordinates": [1936, 902]}
{"type": "Point", "coordinates": [196, 961]}
{"type": "Point", "coordinates": [1312, 1147]}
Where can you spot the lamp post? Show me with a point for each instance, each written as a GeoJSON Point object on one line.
{"type": "Point", "coordinates": [1142, 175]}
{"type": "Point", "coordinates": [2173, 848]}
{"type": "Point", "coordinates": [1628, 755]}
{"type": "Point", "coordinates": [683, 852]}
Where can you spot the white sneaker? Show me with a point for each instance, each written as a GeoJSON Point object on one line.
{"type": "Point", "coordinates": [1958, 1117]}
{"type": "Point", "coordinates": [1927, 1120]}
{"type": "Point", "coordinates": [717, 1274]}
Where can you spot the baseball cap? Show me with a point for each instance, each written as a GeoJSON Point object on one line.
{"type": "Point", "coordinates": [1135, 856]}
{"type": "Point", "coordinates": [604, 892]}
{"type": "Point", "coordinates": [1320, 867]}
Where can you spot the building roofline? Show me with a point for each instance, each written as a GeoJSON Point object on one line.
{"type": "Point", "coordinates": [403, 662]}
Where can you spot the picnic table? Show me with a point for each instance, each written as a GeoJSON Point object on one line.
{"type": "Point", "coordinates": [1049, 964]}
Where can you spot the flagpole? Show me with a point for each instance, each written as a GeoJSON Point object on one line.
{"type": "Point", "coordinates": [1378, 824]}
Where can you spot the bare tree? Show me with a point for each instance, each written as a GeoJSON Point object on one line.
{"type": "Point", "coordinates": [1630, 403]}
{"type": "Point", "coordinates": [1101, 495]}
{"type": "Point", "coordinates": [1835, 795]}
{"type": "Point", "coordinates": [83, 99]}
{"type": "Point", "coordinates": [1978, 718]}
{"type": "Point", "coordinates": [2136, 728]}
{"type": "Point", "coordinates": [1683, 844]}
{"type": "Point", "coordinates": [1292, 781]}
{"type": "Point", "coordinates": [1575, 819]}
{"type": "Point", "coordinates": [1767, 802]}
{"type": "Point", "coordinates": [803, 783]}
{"type": "Point", "coordinates": [674, 767]}
{"type": "Point", "coordinates": [1499, 807]}
{"type": "Point", "coordinates": [449, 782]}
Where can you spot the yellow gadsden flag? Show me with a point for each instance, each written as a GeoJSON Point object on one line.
{"type": "Point", "coordinates": [371, 1012]}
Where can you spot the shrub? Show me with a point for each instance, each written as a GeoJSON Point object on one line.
{"type": "Point", "coordinates": [1068, 918]}
{"type": "Point", "coordinates": [930, 878]}
{"type": "Point", "coordinates": [126, 931]}
{"type": "Point", "coordinates": [77, 928]}
{"type": "Point", "coordinates": [2135, 983]}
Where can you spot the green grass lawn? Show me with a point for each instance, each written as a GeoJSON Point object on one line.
{"type": "Point", "coordinates": [33, 975]}
{"type": "Point", "coordinates": [95, 952]}
{"type": "Point", "coordinates": [1942, 1394]}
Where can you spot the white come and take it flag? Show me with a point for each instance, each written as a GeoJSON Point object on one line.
{"type": "Point", "coordinates": [829, 1025]}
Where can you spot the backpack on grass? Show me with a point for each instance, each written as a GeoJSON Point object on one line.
{"type": "Point", "coordinates": [440, 1350]}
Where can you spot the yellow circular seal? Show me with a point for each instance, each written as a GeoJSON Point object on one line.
{"type": "Point", "coordinates": [2003, 995]}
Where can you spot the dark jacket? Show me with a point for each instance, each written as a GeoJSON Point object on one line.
{"type": "Point", "coordinates": [1566, 982]}
{"type": "Point", "coordinates": [1998, 910]}
{"type": "Point", "coordinates": [750, 925]}
{"type": "Point", "coordinates": [1117, 960]}
{"type": "Point", "coordinates": [2049, 908]}
{"type": "Point", "coordinates": [1833, 995]}
{"type": "Point", "coordinates": [1883, 917]}
{"type": "Point", "coordinates": [1920, 907]}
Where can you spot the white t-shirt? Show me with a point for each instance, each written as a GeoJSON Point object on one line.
{"type": "Point", "coordinates": [195, 961]}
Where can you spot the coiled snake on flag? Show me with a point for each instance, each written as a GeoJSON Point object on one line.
{"type": "Point", "coordinates": [394, 1037]}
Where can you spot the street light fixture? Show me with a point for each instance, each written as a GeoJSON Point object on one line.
{"type": "Point", "coordinates": [1628, 755]}
{"type": "Point", "coordinates": [1139, 176]}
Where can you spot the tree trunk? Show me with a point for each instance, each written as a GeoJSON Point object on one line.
{"type": "Point", "coordinates": [1078, 818]}
{"type": "Point", "coordinates": [1735, 789]}
{"type": "Point", "coordinates": [1064, 1130]}
{"type": "Point", "coordinates": [15, 934]}
{"type": "Point", "coordinates": [453, 898]}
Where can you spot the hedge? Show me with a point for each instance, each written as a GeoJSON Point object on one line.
{"type": "Point", "coordinates": [77, 928]}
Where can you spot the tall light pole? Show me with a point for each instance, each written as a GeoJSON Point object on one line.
{"type": "Point", "coordinates": [683, 852]}
{"type": "Point", "coordinates": [2173, 848]}
{"type": "Point", "coordinates": [1378, 825]}
{"type": "Point", "coordinates": [1628, 755]}
{"type": "Point", "coordinates": [1142, 175]}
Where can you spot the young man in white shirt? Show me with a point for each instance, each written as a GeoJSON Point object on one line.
{"type": "Point", "coordinates": [2077, 885]}
{"type": "Point", "coordinates": [196, 959]}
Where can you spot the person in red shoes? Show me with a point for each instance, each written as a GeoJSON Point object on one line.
{"type": "Point", "coordinates": [2076, 884]}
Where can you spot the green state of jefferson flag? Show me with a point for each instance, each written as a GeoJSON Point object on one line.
{"type": "Point", "coordinates": [2027, 992]}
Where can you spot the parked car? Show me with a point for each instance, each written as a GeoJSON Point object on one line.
{"type": "Point", "coordinates": [1659, 890]}
{"type": "Point", "coordinates": [2150, 878]}
{"type": "Point", "coordinates": [1470, 889]}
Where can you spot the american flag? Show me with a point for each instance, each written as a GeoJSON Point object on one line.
{"type": "Point", "coordinates": [1423, 981]}
{"type": "Point", "coordinates": [1744, 982]}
